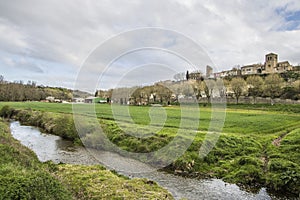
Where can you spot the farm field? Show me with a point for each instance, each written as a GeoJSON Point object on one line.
{"type": "Point", "coordinates": [239, 118]}
{"type": "Point", "coordinates": [258, 145]}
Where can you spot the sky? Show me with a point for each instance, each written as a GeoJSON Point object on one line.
{"type": "Point", "coordinates": [51, 42]}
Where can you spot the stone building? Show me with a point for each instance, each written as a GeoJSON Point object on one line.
{"type": "Point", "coordinates": [196, 75]}
{"type": "Point", "coordinates": [283, 66]}
{"type": "Point", "coordinates": [271, 65]}
{"type": "Point", "coordinates": [233, 72]}
{"type": "Point", "coordinates": [209, 72]}
{"type": "Point", "coordinates": [271, 61]}
{"type": "Point", "coordinates": [252, 69]}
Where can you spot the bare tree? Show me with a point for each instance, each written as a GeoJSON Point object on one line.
{"type": "Point", "coordinates": [238, 85]}
{"type": "Point", "coordinates": [208, 86]}
{"type": "Point", "coordinates": [220, 86]}
{"type": "Point", "coordinates": [256, 84]}
{"type": "Point", "coordinates": [187, 89]}
{"type": "Point", "coordinates": [296, 86]}
{"type": "Point", "coordinates": [179, 76]}
{"type": "Point", "coordinates": [273, 86]}
{"type": "Point", "coordinates": [197, 89]}
{"type": "Point", "coordinates": [163, 92]}
{"type": "Point", "coordinates": [137, 96]}
{"type": "Point", "coordinates": [1, 79]}
{"type": "Point", "coordinates": [146, 93]}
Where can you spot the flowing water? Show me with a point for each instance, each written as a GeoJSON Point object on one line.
{"type": "Point", "coordinates": [51, 147]}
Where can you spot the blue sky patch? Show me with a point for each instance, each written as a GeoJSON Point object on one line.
{"type": "Point", "coordinates": [292, 19]}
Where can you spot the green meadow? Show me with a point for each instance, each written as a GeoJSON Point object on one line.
{"type": "Point", "coordinates": [258, 145]}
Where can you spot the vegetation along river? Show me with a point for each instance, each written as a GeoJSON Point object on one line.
{"type": "Point", "coordinates": [51, 147]}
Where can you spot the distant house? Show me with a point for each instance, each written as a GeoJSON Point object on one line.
{"type": "Point", "coordinates": [296, 68]}
{"type": "Point", "coordinates": [233, 72]}
{"type": "Point", "coordinates": [78, 100]}
{"type": "Point", "coordinates": [50, 99]}
{"type": "Point", "coordinates": [92, 99]}
{"type": "Point", "coordinates": [196, 75]}
{"type": "Point", "coordinates": [57, 101]}
{"type": "Point", "coordinates": [252, 69]}
{"type": "Point", "coordinates": [283, 67]}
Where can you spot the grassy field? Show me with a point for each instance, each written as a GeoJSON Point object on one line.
{"type": "Point", "coordinates": [22, 176]}
{"type": "Point", "coordinates": [258, 146]}
{"type": "Point", "coordinates": [240, 119]}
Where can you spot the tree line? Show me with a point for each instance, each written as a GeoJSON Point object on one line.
{"type": "Point", "coordinates": [272, 85]}
{"type": "Point", "coordinates": [20, 91]}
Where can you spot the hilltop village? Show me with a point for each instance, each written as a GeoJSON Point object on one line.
{"type": "Point", "coordinates": [271, 65]}
{"type": "Point", "coordinates": [272, 81]}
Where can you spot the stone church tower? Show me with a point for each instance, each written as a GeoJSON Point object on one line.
{"type": "Point", "coordinates": [271, 62]}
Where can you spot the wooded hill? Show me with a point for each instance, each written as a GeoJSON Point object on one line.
{"type": "Point", "coordinates": [30, 91]}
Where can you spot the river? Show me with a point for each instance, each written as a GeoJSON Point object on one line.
{"type": "Point", "coordinates": [50, 147]}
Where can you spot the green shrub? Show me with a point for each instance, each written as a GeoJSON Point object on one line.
{"type": "Point", "coordinates": [6, 112]}
{"type": "Point", "coordinates": [64, 126]}
{"type": "Point", "coordinates": [32, 185]}
{"type": "Point", "coordinates": [247, 160]}
{"type": "Point", "coordinates": [280, 165]}
{"type": "Point", "coordinates": [288, 181]}
{"type": "Point", "coordinates": [249, 175]}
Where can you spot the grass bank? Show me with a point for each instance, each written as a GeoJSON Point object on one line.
{"type": "Point", "coordinates": [259, 144]}
{"type": "Point", "coordinates": [22, 176]}
{"type": "Point", "coordinates": [50, 122]}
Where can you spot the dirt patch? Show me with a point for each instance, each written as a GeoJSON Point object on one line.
{"type": "Point", "coordinates": [277, 141]}
{"type": "Point", "coordinates": [265, 159]}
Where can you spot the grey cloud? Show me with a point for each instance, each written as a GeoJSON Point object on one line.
{"type": "Point", "coordinates": [231, 32]}
{"type": "Point", "coordinates": [23, 64]}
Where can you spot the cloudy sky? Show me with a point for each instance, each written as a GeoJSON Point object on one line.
{"type": "Point", "coordinates": [49, 41]}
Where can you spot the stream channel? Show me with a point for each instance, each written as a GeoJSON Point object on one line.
{"type": "Point", "coordinates": [50, 147]}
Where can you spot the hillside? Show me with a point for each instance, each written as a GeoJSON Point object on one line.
{"type": "Point", "coordinates": [19, 91]}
